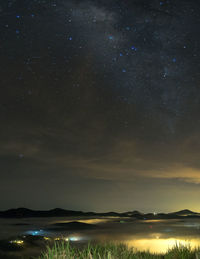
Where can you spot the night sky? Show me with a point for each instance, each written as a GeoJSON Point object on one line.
{"type": "Point", "coordinates": [100, 104]}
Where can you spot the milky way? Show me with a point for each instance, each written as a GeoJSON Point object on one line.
{"type": "Point", "coordinates": [99, 104]}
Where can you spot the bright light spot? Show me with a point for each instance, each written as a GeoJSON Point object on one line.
{"type": "Point", "coordinates": [73, 238]}
{"type": "Point", "coordinates": [134, 48]}
{"type": "Point", "coordinates": [18, 242]}
{"type": "Point", "coordinates": [77, 238]}
{"type": "Point", "coordinates": [46, 238]}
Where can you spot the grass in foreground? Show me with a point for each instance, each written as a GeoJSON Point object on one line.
{"type": "Point", "coordinates": [63, 250]}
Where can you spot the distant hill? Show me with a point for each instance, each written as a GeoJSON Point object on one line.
{"type": "Point", "coordinates": [58, 212]}
{"type": "Point", "coordinates": [74, 225]}
{"type": "Point", "coordinates": [185, 212]}
{"type": "Point", "coordinates": [26, 213]}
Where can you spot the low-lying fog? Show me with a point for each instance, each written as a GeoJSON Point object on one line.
{"type": "Point", "coordinates": [153, 235]}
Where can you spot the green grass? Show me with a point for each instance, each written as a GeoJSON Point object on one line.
{"type": "Point", "coordinates": [63, 250]}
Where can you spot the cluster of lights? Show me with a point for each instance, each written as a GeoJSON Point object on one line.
{"type": "Point", "coordinates": [73, 238]}
{"type": "Point", "coordinates": [18, 242]}
{"type": "Point", "coordinates": [67, 238]}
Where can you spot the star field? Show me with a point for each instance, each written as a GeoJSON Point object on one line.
{"type": "Point", "coordinates": [99, 104]}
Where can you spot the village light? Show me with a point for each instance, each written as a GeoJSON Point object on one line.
{"type": "Point", "coordinates": [18, 242]}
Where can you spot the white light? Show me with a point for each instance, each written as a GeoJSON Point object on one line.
{"type": "Point", "coordinates": [73, 239]}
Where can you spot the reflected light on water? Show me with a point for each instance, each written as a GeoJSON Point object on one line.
{"type": "Point", "coordinates": [158, 245]}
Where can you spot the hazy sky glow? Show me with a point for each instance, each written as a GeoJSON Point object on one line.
{"type": "Point", "coordinates": [99, 104]}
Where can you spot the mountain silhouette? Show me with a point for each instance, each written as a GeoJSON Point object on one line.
{"type": "Point", "coordinates": [58, 212]}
